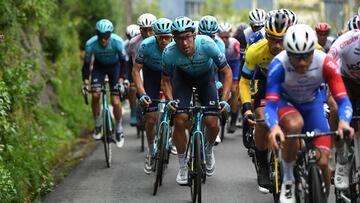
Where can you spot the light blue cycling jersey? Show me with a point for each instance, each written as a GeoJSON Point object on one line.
{"type": "Point", "coordinates": [149, 54]}
{"type": "Point", "coordinates": [220, 44]}
{"type": "Point", "coordinates": [206, 53]}
{"type": "Point", "coordinates": [108, 55]}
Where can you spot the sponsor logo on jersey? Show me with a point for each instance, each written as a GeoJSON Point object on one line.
{"type": "Point", "coordinates": [348, 42]}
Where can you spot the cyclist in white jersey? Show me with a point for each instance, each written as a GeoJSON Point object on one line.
{"type": "Point", "coordinates": [346, 52]}
{"type": "Point", "coordinates": [257, 21]}
{"type": "Point", "coordinates": [145, 21]}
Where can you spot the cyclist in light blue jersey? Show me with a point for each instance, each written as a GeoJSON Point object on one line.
{"type": "Point", "coordinates": [189, 61]}
{"type": "Point", "coordinates": [108, 51]}
{"type": "Point", "coordinates": [149, 60]}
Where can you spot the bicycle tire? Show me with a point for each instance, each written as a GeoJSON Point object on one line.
{"type": "Point", "coordinates": [223, 124]}
{"type": "Point", "coordinates": [353, 185]}
{"type": "Point", "coordinates": [317, 191]}
{"type": "Point", "coordinates": [106, 138]}
{"type": "Point", "coordinates": [160, 159]}
{"type": "Point", "coordinates": [196, 180]}
{"type": "Point", "coordinates": [276, 195]}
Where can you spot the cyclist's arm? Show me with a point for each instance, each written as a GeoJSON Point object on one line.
{"type": "Point", "coordinates": [166, 86]}
{"type": "Point", "coordinates": [86, 67]}
{"type": "Point", "coordinates": [137, 79]}
{"type": "Point", "coordinates": [166, 74]}
{"type": "Point", "coordinates": [244, 83]}
{"type": "Point", "coordinates": [226, 72]}
{"type": "Point", "coordinates": [337, 88]}
{"type": "Point", "coordinates": [273, 89]}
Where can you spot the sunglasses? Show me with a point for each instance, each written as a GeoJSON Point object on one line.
{"type": "Point", "coordinates": [185, 37]}
{"type": "Point", "coordinates": [105, 35]}
{"type": "Point", "coordinates": [300, 56]}
{"type": "Point", "coordinates": [164, 37]}
{"type": "Point", "coordinates": [274, 39]}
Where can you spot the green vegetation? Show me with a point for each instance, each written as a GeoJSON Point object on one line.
{"type": "Point", "coordinates": [41, 109]}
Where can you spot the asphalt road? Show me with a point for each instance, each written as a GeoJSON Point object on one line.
{"type": "Point", "coordinates": [233, 181]}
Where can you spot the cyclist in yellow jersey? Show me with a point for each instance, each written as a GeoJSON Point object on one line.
{"type": "Point", "coordinates": [260, 54]}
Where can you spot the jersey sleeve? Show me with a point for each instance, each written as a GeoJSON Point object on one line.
{"type": "Point", "coordinates": [237, 48]}
{"type": "Point", "coordinates": [250, 63]}
{"type": "Point", "coordinates": [214, 52]}
{"type": "Point", "coordinates": [337, 88]}
{"type": "Point", "coordinates": [86, 67]}
{"type": "Point", "coordinates": [166, 62]}
{"type": "Point", "coordinates": [140, 55]}
{"type": "Point", "coordinates": [273, 90]}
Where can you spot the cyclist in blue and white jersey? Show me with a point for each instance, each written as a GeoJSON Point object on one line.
{"type": "Point", "coordinates": [109, 55]}
{"type": "Point", "coordinates": [189, 60]}
{"type": "Point", "coordinates": [149, 60]}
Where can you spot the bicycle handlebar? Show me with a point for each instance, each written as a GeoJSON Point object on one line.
{"type": "Point", "coordinates": [311, 134]}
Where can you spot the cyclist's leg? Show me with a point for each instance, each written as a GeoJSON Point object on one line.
{"type": "Point", "coordinates": [132, 96]}
{"type": "Point", "coordinates": [152, 83]}
{"type": "Point", "coordinates": [181, 91]}
{"type": "Point", "coordinates": [234, 101]}
{"type": "Point", "coordinates": [314, 119]}
{"type": "Point", "coordinates": [97, 79]}
{"type": "Point", "coordinates": [113, 74]}
{"type": "Point", "coordinates": [291, 122]}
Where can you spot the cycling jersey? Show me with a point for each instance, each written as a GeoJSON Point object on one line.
{"type": "Point", "coordinates": [346, 51]}
{"type": "Point", "coordinates": [233, 57]}
{"type": "Point", "coordinates": [105, 56]}
{"type": "Point", "coordinates": [220, 44]}
{"type": "Point", "coordinates": [259, 55]}
{"type": "Point", "coordinates": [329, 41]}
{"type": "Point", "coordinates": [257, 36]}
{"type": "Point", "coordinates": [206, 53]}
{"type": "Point", "coordinates": [248, 32]}
{"type": "Point", "coordinates": [283, 81]}
{"type": "Point", "coordinates": [150, 56]}
{"type": "Point", "coordinates": [132, 48]}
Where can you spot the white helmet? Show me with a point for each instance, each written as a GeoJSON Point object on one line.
{"type": "Point", "coordinates": [300, 39]}
{"type": "Point", "coordinates": [146, 20]}
{"type": "Point", "coordinates": [132, 30]}
{"type": "Point", "coordinates": [196, 23]}
{"type": "Point", "coordinates": [225, 27]}
{"type": "Point", "coordinates": [257, 17]}
{"type": "Point", "coordinates": [354, 22]}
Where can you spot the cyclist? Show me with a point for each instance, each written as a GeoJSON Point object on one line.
{"type": "Point", "coordinates": [257, 21]}
{"type": "Point", "coordinates": [240, 36]}
{"type": "Point", "coordinates": [345, 51]}
{"type": "Point", "coordinates": [294, 102]}
{"type": "Point", "coordinates": [149, 59]}
{"type": "Point", "coordinates": [260, 54]}
{"type": "Point", "coordinates": [233, 57]}
{"type": "Point", "coordinates": [131, 31]}
{"type": "Point", "coordinates": [108, 52]}
{"type": "Point", "coordinates": [189, 61]}
{"type": "Point", "coordinates": [322, 33]}
{"type": "Point", "coordinates": [145, 21]}
{"type": "Point", "coordinates": [260, 34]}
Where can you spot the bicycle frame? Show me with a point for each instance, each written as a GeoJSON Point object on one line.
{"type": "Point", "coordinates": [164, 122]}
{"type": "Point", "coordinates": [197, 130]}
{"type": "Point", "coordinates": [106, 108]}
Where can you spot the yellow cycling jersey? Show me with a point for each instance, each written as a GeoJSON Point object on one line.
{"type": "Point", "coordinates": [258, 54]}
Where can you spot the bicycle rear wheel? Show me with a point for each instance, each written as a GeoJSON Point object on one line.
{"type": "Point", "coordinates": [106, 138]}
{"type": "Point", "coordinates": [160, 159]}
{"type": "Point", "coordinates": [317, 191]}
{"type": "Point", "coordinates": [196, 170]}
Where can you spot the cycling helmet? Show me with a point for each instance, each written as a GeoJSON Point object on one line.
{"type": "Point", "coordinates": [104, 25]}
{"type": "Point", "coordinates": [277, 24]}
{"type": "Point", "coordinates": [322, 27]}
{"type": "Point", "coordinates": [196, 23]}
{"type": "Point", "coordinates": [270, 13]}
{"type": "Point", "coordinates": [146, 20]}
{"type": "Point", "coordinates": [132, 30]}
{"type": "Point", "coordinates": [354, 22]}
{"type": "Point", "coordinates": [208, 25]}
{"type": "Point", "coordinates": [300, 39]}
{"type": "Point", "coordinates": [225, 27]}
{"type": "Point", "coordinates": [162, 26]}
{"type": "Point", "coordinates": [242, 27]}
{"type": "Point", "coordinates": [257, 17]}
{"type": "Point", "coordinates": [182, 24]}
{"type": "Point", "coordinates": [291, 15]}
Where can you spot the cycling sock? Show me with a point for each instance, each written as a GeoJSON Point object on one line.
{"type": "Point", "coordinates": [209, 147]}
{"type": "Point", "coordinates": [261, 157]}
{"type": "Point", "coordinates": [119, 127]}
{"type": "Point", "coordinates": [340, 155]}
{"type": "Point", "coordinates": [233, 118]}
{"type": "Point", "coordinates": [182, 160]}
{"type": "Point", "coordinates": [97, 121]}
{"type": "Point", "coordinates": [288, 169]}
{"type": "Point", "coordinates": [151, 148]}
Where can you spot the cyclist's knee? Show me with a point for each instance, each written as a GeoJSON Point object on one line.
{"type": "Point", "coordinates": [95, 97]}
{"type": "Point", "coordinates": [323, 161]}
{"type": "Point", "coordinates": [292, 123]}
{"type": "Point", "coordinates": [180, 120]}
{"type": "Point", "coordinates": [115, 100]}
{"type": "Point", "coordinates": [150, 118]}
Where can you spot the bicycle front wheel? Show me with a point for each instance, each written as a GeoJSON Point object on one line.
{"type": "Point", "coordinates": [196, 170]}
{"type": "Point", "coordinates": [160, 159]}
{"type": "Point", "coordinates": [107, 139]}
{"type": "Point", "coordinates": [316, 185]}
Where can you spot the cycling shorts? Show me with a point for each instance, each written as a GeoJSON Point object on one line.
{"type": "Point", "coordinates": [98, 75]}
{"type": "Point", "coordinates": [152, 85]}
{"type": "Point", "coordinates": [235, 67]}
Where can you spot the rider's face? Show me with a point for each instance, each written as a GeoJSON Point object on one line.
{"type": "Point", "coordinates": [186, 42]}
{"type": "Point", "coordinates": [225, 38]}
{"type": "Point", "coordinates": [275, 44]}
{"type": "Point", "coordinates": [104, 38]}
{"type": "Point", "coordinates": [322, 38]}
{"type": "Point", "coordinates": [163, 40]}
{"type": "Point", "coordinates": [146, 32]}
{"type": "Point", "coordinates": [301, 62]}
